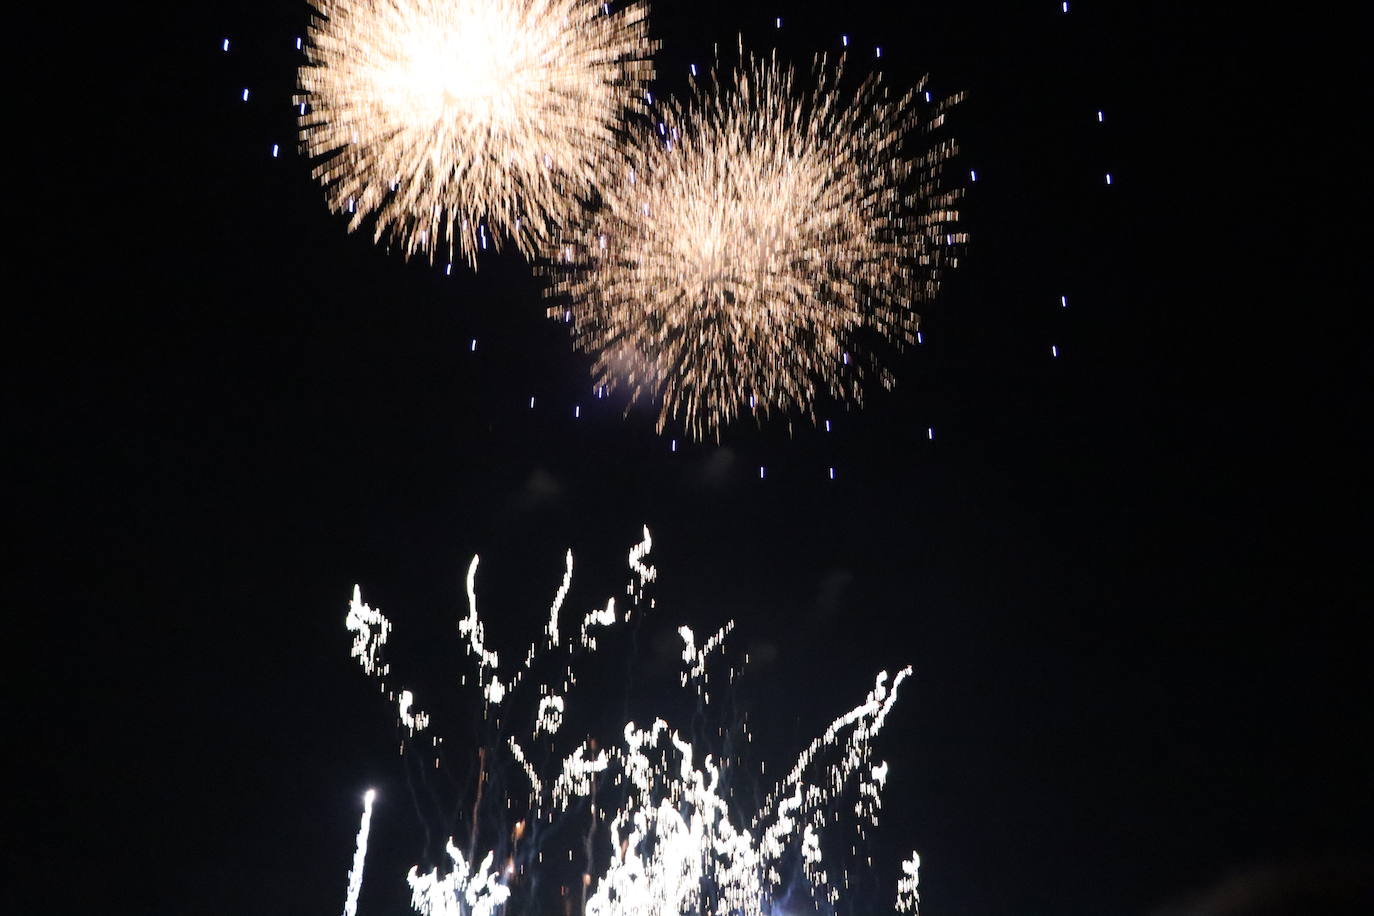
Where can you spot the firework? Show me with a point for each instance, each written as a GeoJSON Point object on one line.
{"type": "Point", "coordinates": [457, 123]}
{"type": "Point", "coordinates": [355, 876]}
{"type": "Point", "coordinates": [754, 240]}
{"type": "Point", "coordinates": [674, 835]}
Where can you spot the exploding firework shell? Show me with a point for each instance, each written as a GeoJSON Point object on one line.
{"type": "Point", "coordinates": [455, 123]}
{"type": "Point", "coordinates": [754, 241]}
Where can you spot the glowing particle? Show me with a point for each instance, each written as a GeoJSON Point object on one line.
{"type": "Point", "coordinates": [225, 46]}
{"type": "Point", "coordinates": [1099, 117]}
{"type": "Point", "coordinates": [245, 95]}
{"type": "Point", "coordinates": [972, 175]}
{"type": "Point", "coordinates": [473, 348]}
{"type": "Point", "coordinates": [577, 411]}
{"type": "Point", "coordinates": [274, 151]}
{"type": "Point", "coordinates": [1054, 351]}
{"type": "Point", "coordinates": [1063, 302]}
{"type": "Point", "coordinates": [531, 403]}
{"type": "Point", "coordinates": [930, 432]}
{"type": "Point", "coordinates": [832, 473]}
{"type": "Point", "coordinates": [1109, 178]}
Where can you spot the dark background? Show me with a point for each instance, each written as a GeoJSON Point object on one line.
{"type": "Point", "coordinates": [1129, 579]}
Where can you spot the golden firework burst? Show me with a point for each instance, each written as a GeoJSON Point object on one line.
{"type": "Point", "coordinates": [457, 123]}
{"type": "Point", "coordinates": [753, 242]}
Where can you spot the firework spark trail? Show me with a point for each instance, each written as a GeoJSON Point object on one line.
{"type": "Point", "coordinates": [908, 899]}
{"type": "Point", "coordinates": [452, 121]}
{"type": "Point", "coordinates": [664, 808]}
{"type": "Point", "coordinates": [355, 875]}
{"type": "Point", "coordinates": [755, 240]}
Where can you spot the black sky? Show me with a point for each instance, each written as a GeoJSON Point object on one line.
{"type": "Point", "coordinates": [1129, 578]}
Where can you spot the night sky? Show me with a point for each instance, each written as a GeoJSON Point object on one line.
{"type": "Point", "coordinates": [1128, 577]}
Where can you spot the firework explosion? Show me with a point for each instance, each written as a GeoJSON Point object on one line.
{"type": "Point", "coordinates": [752, 242]}
{"type": "Point", "coordinates": [459, 122]}
{"type": "Point", "coordinates": [675, 836]}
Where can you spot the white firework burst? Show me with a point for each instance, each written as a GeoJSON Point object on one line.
{"type": "Point", "coordinates": [457, 123]}
{"type": "Point", "coordinates": [756, 240]}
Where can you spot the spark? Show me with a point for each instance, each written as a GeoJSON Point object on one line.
{"type": "Point", "coordinates": [492, 111]}
{"type": "Point", "coordinates": [907, 897]}
{"type": "Point", "coordinates": [355, 875]}
{"type": "Point", "coordinates": [784, 226]}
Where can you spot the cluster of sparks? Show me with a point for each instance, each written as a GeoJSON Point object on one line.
{"type": "Point", "coordinates": [747, 251]}
{"type": "Point", "coordinates": [461, 122]}
{"type": "Point", "coordinates": [672, 838]}
{"type": "Point", "coordinates": [751, 242]}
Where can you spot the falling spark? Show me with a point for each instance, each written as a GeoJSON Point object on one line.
{"type": "Point", "coordinates": [486, 110]}
{"type": "Point", "coordinates": [783, 227]}
{"type": "Point", "coordinates": [355, 875]}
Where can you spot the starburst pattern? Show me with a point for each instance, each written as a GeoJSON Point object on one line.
{"type": "Point", "coordinates": [757, 240]}
{"type": "Point", "coordinates": [456, 123]}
